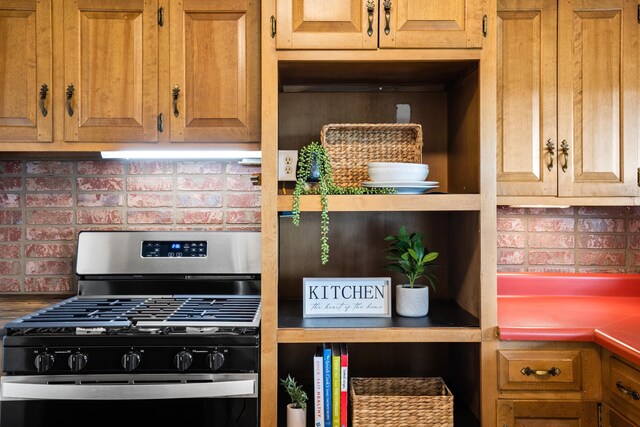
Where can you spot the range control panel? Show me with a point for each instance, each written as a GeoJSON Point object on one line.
{"type": "Point", "coordinates": [174, 249]}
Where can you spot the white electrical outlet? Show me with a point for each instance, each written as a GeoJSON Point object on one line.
{"type": "Point", "coordinates": [287, 163]}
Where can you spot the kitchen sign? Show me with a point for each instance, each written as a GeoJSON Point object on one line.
{"type": "Point", "coordinates": [346, 297]}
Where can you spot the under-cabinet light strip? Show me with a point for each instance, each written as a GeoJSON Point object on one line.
{"type": "Point", "coordinates": [188, 154]}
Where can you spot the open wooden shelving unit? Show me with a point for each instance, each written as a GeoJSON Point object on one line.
{"type": "Point", "coordinates": [452, 95]}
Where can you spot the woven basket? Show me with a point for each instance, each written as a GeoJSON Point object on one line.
{"type": "Point", "coordinates": [398, 402]}
{"type": "Point", "coordinates": [351, 146]}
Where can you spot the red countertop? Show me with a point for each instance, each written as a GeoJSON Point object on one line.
{"type": "Point", "coordinates": [604, 308]}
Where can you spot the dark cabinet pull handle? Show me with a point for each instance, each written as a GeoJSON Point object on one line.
{"type": "Point", "coordinates": [387, 16]}
{"type": "Point", "coordinates": [176, 93]}
{"type": "Point", "coordinates": [554, 372]}
{"type": "Point", "coordinates": [370, 8]}
{"type": "Point", "coordinates": [70, 90]}
{"type": "Point", "coordinates": [160, 122]}
{"type": "Point", "coordinates": [633, 393]}
{"type": "Point", "coordinates": [564, 148]}
{"type": "Point", "coordinates": [43, 96]}
{"type": "Point", "coordinates": [551, 149]}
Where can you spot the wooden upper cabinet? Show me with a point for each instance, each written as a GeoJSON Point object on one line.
{"type": "Point", "coordinates": [215, 66]}
{"type": "Point", "coordinates": [25, 67]}
{"type": "Point", "coordinates": [588, 144]}
{"type": "Point", "coordinates": [369, 24]}
{"type": "Point", "coordinates": [327, 24]}
{"type": "Point", "coordinates": [526, 102]}
{"type": "Point", "coordinates": [111, 54]}
{"type": "Point", "coordinates": [431, 23]}
{"type": "Point", "coordinates": [597, 109]}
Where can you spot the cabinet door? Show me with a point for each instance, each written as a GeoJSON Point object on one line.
{"type": "Point", "coordinates": [215, 66]}
{"type": "Point", "coordinates": [526, 101]}
{"type": "Point", "coordinates": [541, 413]}
{"type": "Point", "coordinates": [111, 54]}
{"type": "Point", "coordinates": [25, 66]}
{"type": "Point", "coordinates": [327, 24]}
{"type": "Point", "coordinates": [598, 97]}
{"type": "Point", "coordinates": [431, 23]}
{"type": "Point", "coordinates": [611, 418]}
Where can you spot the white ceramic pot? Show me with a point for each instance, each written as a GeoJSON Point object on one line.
{"type": "Point", "coordinates": [412, 302]}
{"type": "Point", "coordinates": [296, 417]}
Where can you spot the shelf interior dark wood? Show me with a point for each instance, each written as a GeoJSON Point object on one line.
{"type": "Point", "coordinates": [442, 314]}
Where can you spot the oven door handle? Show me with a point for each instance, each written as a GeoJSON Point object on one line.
{"type": "Point", "coordinates": [21, 388]}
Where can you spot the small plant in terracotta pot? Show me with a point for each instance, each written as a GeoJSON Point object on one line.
{"type": "Point", "coordinates": [297, 409]}
{"type": "Point", "coordinates": [409, 256]}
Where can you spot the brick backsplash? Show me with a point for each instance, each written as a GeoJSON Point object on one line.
{"type": "Point", "coordinates": [575, 239]}
{"type": "Point", "coordinates": [45, 203]}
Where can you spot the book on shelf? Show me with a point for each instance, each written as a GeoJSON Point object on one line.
{"type": "Point", "coordinates": [335, 385]}
{"type": "Point", "coordinates": [318, 388]}
{"type": "Point", "coordinates": [344, 384]}
{"type": "Point", "coordinates": [326, 372]}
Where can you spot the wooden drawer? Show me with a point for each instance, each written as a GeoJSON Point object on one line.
{"type": "Point", "coordinates": [622, 387]}
{"type": "Point", "coordinates": [539, 370]}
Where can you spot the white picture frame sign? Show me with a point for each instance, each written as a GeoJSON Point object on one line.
{"type": "Point", "coordinates": [346, 297]}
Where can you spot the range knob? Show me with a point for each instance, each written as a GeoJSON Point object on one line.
{"type": "Point", "coordinates": [215, 360]}
{"type": "Point", "coordinates": [77, 361]}
{"type": "Point", "coordinates": [130, 360]}
{"type": "Point", "coordinates": [44, 361]}
{"type": "Point", "coordinates": [183, 360]}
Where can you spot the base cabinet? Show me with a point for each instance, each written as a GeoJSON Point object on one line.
{"type": "Point", "coordinates": [542, 413]}
{"type": "Point", "coordinates": [612, 418]}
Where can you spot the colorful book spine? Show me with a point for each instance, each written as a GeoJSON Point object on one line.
{"type": "Point", "coordinates": [326, 372]}
{"type": "Point", "coordinates": [318, 388]}
{"type": "Point", "coordinates": [344, 384]}
{"type": "Point", "coordinates": [335, 385]}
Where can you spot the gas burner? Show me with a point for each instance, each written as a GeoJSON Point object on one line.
{"type": "Point", "coordinates": [209, 330]}
{"type": "Point", "coordinates": [150, 331]}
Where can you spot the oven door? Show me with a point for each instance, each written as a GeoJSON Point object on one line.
{"type": "Point", "coordinates": [108, 400]}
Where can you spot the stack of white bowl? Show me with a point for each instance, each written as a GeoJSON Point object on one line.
{"type": "Point", "coordinates": [396, 172]}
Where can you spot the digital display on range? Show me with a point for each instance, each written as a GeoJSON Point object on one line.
{"type": "Point", "coordinates": [174, 249]}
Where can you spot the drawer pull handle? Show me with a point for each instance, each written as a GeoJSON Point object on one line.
{"type": "Point", "coordinates": [370, 8]}
{"type": "Point", "coordinates": [632, 393]}
{"type": "Point", "coordinates": [554, 372]}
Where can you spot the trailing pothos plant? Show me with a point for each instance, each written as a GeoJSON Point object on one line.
{"type": "Point", "coordinates": [315, 152]}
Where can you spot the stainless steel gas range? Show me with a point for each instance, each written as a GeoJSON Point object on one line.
{"type": "Point", "coordinates": [164, 331]}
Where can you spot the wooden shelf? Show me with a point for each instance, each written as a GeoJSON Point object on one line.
{"type": "Point", "coordinates": [446, 322]}
{"type": "Point", "coordinates": [380, 202]}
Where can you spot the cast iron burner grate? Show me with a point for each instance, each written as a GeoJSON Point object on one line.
{"type": "Point", "coordinates": [157, 311]}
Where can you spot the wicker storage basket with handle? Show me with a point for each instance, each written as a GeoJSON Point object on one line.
{"type": "Point", "coordinates": [401, 402]}
{"type": "Point", "coordinates": [351, 146]}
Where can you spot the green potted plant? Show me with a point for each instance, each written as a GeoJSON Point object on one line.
{"type": "Point", "coordinates": [409, 256]}
{"type": "Point", "coordinates": [297, 409]}
{"type": "Point", "coordinates": [314, 165]}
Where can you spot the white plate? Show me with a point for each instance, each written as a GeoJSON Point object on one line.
{"type": "Point", "coordinates": [404, 189]}
{"type": "Point", "coordinates": [400, 183]}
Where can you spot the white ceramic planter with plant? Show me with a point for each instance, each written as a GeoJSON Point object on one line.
{"type": "Point", "coordinates": [297, 409]}
{"type": "Point", "coordinates": [409, 256]}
